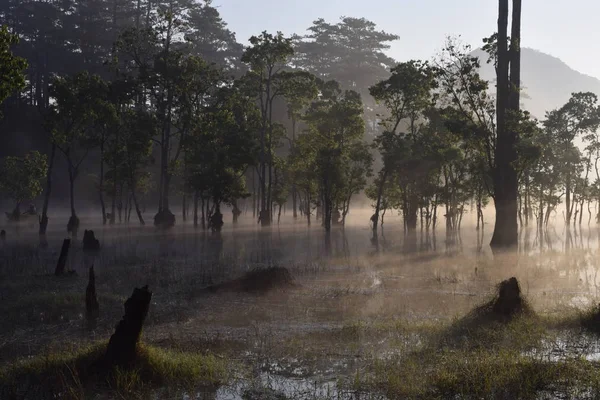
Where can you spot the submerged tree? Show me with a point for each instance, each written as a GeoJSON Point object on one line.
{"type": "Point", "coordinates": [72, 118]}
{"type": "Point", "coordinates": [267, 56]}
{"type": "Point", "coordinates": [406, 95]}
{"type": "Point", "coordinates": [335, 134]}
{"type": "Point", "coordinates": [221, 147]}
{"type": "Point", "coordinates": [578, 119]}
{"type": "Point", "coordinates": [174, 83]}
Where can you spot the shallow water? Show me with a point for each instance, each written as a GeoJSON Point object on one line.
{"type": "Point", "coordinates": [344, 278]}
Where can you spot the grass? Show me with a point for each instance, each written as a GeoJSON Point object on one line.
{"type": "Point", "coordinates": [479, 374]}
{"type": "Point", "coordinates": [474, 358]}
{"type": "Point", "coordinates": [76, 375]}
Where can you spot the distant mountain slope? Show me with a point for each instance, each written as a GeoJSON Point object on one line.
{"type": "Point", "coordinates": [547, 81]}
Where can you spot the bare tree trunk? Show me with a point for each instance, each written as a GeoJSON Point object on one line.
{"type": "Point", "coordinates": [44, 218]}
{"type": "Point", "coordinates": [203, 214]}
{"type": "Point", "coordinates": [101, 183]}
{"type": "Point", "coordinates": [137, 207]}
{"type": "Point", "coordinates": [196, 209]}
{"type": "Point", "coordinates": [375, 217]}
{"type": "Point", "coordinates": [508, 97]}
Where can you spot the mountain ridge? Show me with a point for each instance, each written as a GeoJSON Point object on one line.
{"type": "Point", "coordinates": [547, 81]}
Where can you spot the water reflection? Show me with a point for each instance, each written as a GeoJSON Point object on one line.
{"type": "Point", "coordinates": [294, 242]}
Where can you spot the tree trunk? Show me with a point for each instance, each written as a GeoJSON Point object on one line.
{"type": "Point", "coordinates": [294, 202]}
{"type": "Point", "coordinates": [101, 183]}
{"type": "Point", "coordinates": [113, 206]}
{"type": "Point", "coordinates": [504, 175]}
{"type": "Point", "coordinates": [195, 209]}
{"type": "Point", "coordinates": [72, 192]}
{"type": "Point", "coordinates": [254, 195]}
{"type": "Point", "coordinates": [137, 207]}
{"type": "Point", "coordinates": [120, 203]}
{"type": "Point", "coordinates": [203, 215]}
{"type": "Point", "coordinates": [62, 258]}
{"type": "Point", "coordinates": [129, 206]}
{"type": "Point", "coordinates": [44, 218]}
{"type": "Point", "coordinates": [375, 217]}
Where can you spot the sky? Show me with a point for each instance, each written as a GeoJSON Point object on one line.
{"type": "Point", "coordinates": [564, 29]}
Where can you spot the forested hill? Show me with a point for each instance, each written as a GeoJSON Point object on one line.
{"type": "Point", "coordinates": [547, 81]}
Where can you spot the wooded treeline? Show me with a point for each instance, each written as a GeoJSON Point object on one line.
{"type": "Point", "coordinates": [158, 101]}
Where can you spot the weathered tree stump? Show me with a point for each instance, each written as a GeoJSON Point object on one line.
{"type": "Point", "coordinates": [62, 259]}
{"type": "Point", "coordinates": [509, 301]}
{"type": "Point", "coordinates": [92, 307]}
{"type": "Point", "coordinates": [164, 219]}
{"type": "Point", "coordinates": [90, 243]}
{"type": "Point", "coordinates": [73, 225]}
{"type": "Point", "coordinates": [121, 350]}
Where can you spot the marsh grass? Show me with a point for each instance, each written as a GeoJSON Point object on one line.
{"type": "Point", "coordinates": [81, 373]}
{"type": "Point", "coordinates": [481, 357]}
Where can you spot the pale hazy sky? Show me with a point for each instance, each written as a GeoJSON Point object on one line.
{"type": "Point", "coordinates": [565, 29]}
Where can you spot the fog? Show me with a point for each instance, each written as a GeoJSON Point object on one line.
{"type": "Point", "coordinates": [293, 215]}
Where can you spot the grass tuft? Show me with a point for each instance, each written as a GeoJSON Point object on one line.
{"type": "Point", "coordinates": [76, 375]}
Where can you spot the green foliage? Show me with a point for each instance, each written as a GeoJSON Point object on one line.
{"type": "Point", "coordinates": [20, 177]}
{"type": "Point", "coordinates": [11, 67]}
{"type": "Point", "coordinates": [351, 52]}
{"type": "Point", "coordinates": [267, 52]}
{"type": "Point", "coordinates": [79, 103]}
{"type": "Point", "coordinates": [340, 161]}
{"type": "Point", "coordinates": [222, 146]}
{"type": "Point", "coordinates": [408, 144]}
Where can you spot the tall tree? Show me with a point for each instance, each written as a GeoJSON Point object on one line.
{"type": "Point", "coordinates": [267, 56]}
{"type": "Point", "coordinates": [336, 129]}
{"type": "Point", "coordinates": [507, 116]}
{"type": "Point", "coordinates": [174, 84]}
{"type": "Point", "coordinates": [406, 95]}
{"type": "Point", "coordinates": [73, 117]}
{"type": "Point", "coordinates": [579, 119]}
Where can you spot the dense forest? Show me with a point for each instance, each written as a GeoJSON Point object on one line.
{"type": "Point", "coordinates": [156, 101]}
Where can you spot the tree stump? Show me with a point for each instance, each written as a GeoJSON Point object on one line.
{"type": "Point", "coordinates": [164, 219]}
{"type": "Point", "coordinates": [92, 307]}
{"type": "Point", "coordinates": [73, 225]}
{"type": "Point", "coordinates": [121, 350]}
{"type": "Point", "coordinates": [509, 301]}
{"type": "Point", "coordinates": [90, 243]}
{"type": "Point", "coordinates": [62, 259]}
